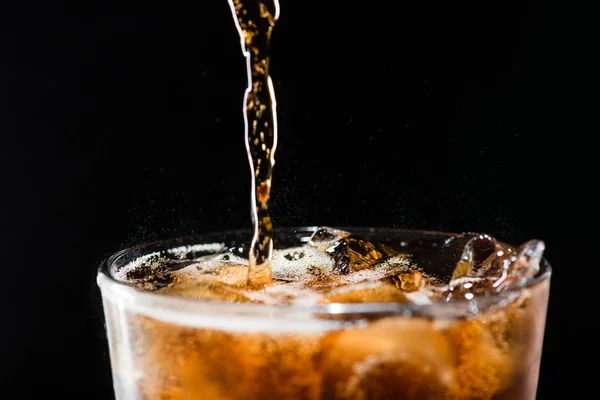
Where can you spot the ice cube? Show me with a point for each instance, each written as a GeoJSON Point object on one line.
{"type": "Point", "coordinates": [354, 254]}
{"type": "Point", "coordinates": [369, 292]}
{"type": "Point", "coordinates": [410, 281]}
{"type": "Point", "coordinates": [475, 252]}
{"type": "Point", "coordinates": [467, 287]}
{"type": "Point", "coordinates": [204, 289]}
{"type": "Point", "coordinates": [391, 358]}
{"type": "Point", "coordinates": [442, 261]}
{"type": "Point", "coordinates": [324, 237]}
{"type": "Point", "coordinates": [517, 266]}
{"type": "Point", "coordinates": [488, 266]}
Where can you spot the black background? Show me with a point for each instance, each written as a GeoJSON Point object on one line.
{"type": "Point", "coordinates": [121, 122]}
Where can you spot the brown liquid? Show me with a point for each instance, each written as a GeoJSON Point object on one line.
{"type": "Point", "coordinates": [255, 21]}
{"type": "Point", "coordinates": [492, 353]}
{"type": "Point", "coordinates": [493, 357]}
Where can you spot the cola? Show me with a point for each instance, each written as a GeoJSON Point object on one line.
{"type": "Point", "coordinates": [320, 313]}
{"type": "Point", "coordinates": [350, 314]}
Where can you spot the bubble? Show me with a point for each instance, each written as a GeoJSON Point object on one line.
{"type": "Point", "coordinates": [339, 267]}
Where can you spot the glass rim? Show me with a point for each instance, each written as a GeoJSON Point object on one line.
{"type": "Point", "coordinates": [179, 308]}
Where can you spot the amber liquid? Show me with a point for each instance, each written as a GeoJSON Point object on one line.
{"type": "Point", "coordinates": [255, 20]}
{"type": "Point", "coordinates": [493, 357]}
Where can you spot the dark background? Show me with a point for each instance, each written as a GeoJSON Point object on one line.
{"type": "Point", "coordinates": [121, 122]}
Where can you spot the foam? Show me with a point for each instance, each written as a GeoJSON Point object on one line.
{"type": "Point", "coordinates": [142, 261]}
{"type": "Point", "coordinates": [211, 263]}
{"type": "Point", "coordinates": [181, 251]}
{"type": "Point", "coordinates": [302, 275]}
{"type": "Point", "coordinates": [290, 276]}
{"type": "Point", "coordinates": [152, 260]}
{"type": "Point", "coordinates": [313, 262]}
{"type": "Point", "coordinates": [282, 268]}
{"type": "Point", "coordinates": [210, 315]}
{"type": "Point", "coordinates": [394, 265]}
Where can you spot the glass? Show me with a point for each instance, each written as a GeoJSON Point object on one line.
{"type": "Point", "coordinates": [165, 347]}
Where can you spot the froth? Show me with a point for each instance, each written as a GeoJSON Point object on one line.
{"type": "Point", "coordinates": [181, 312]}
{"type": "Point", "coordinates": [394, 265]}
{"type": "Point", "coordinates": [182, 251]}
{"type": "Point", "coordinates": [155, 259]}
{"type": "Point", "coordinates": [304, 275]}
{"type": "Point", "coordinates": [299, 263]}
